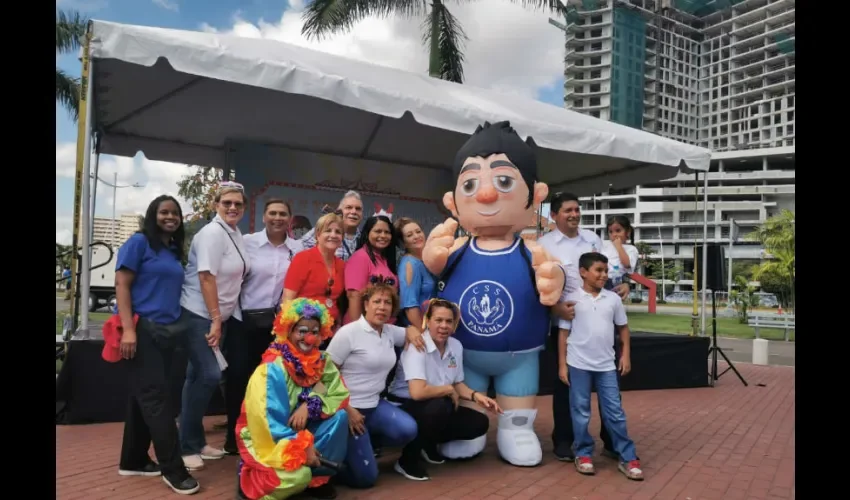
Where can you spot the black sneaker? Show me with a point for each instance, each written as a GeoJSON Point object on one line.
{"type": "Point", "coordinates": [150, 469]}
{"type": "Point", "coordinates": [610, 454]}
{"type": "Point", "coordinates": [564, 452]}
{"type": "Point", "coordinates": [378, 452]}
{"type": "Point", "coordinates": [432, 456]}
{"type": "Point", "coordinates": [231, 449]}
{"type": "Point", "coordinates": [182, 483]}
{"type": "Point", "coordinates": [323, 492]}
{"type": "Point", "coordinates": [411, 469]}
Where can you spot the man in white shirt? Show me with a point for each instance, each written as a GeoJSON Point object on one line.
{"type": "Point", "coordinates": [351, 211]}
{"type": "Point", "coordinates": [568, 243]}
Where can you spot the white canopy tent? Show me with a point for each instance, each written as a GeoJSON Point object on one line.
{"type": "Point", "coordinates": [181, 96]}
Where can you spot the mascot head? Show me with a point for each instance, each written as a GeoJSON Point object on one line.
{"type": "Point", "coordinates": [496, 186]}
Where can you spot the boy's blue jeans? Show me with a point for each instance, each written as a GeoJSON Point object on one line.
{"type": "Point", "coordinates": [608, 392]}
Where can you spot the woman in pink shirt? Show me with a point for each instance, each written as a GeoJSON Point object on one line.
{"type": "Point", "coordinates": [374, 261]}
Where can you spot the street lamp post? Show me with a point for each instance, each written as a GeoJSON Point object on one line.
{"type": "Point", "coordinates": [114, 185]}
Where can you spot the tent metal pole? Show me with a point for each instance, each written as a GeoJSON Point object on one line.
{"type": "Point", "coordinates": [85, 128]}
{"type": "Point", "coordinates": [81, 206]}
{"type": "Point", "coordinates": [704, 262]}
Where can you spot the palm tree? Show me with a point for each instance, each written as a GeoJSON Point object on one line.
{"type": "Point", "coordinates": [70, 30]}
{"type": "Point", "coordinates": [441, 30]}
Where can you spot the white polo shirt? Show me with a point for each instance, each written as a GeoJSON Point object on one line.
{"type": "Point", "coordinates": [616, 269]}
{"type": "Point", "coordinates": [365, 358]}
{"type": "Point", "coordinates": [569, 250]}
{"type": "Point", "coordinates": [264, 284]}
{"type": "Point", "coordinates": [429, 366]}
{"type": "Point", "coordinates": [590, 345]}
{"type": "Point", "coordinates": [213, 251]}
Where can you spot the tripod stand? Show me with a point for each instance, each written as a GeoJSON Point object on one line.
{"type": "Point", "coordinates": [715, 349]}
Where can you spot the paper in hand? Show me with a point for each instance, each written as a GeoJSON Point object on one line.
{"type": "Point", "coordinates": [219, 357]}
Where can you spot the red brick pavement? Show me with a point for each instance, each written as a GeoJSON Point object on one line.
{"type": "Point", "coordinates": [730, 442]}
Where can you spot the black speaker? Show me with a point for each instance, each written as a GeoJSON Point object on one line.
{"type": "Point", "coordinates": [716, 266]}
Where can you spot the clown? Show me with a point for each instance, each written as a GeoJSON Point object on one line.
{"type": "Point", "coordinates": [503, 285]}
{"type": "Point", "coordinates": [294, 411]}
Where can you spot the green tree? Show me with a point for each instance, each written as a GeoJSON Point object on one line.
{"type": "Point", "coordinates": [70, 31]}
{"type": "Point", "coordinates": [743, 298]}
{"type": "Point", "coordinates": [778, 237]}
{"type": "Point", "coordinates": [441, 31]}
{"type": "Point", "coordinates": [199, 189]}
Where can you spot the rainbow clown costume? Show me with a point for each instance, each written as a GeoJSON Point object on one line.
{"type": "Point", "coordinates": [502, 284]}
{"type": "Point", "coordinates": [294, 411]}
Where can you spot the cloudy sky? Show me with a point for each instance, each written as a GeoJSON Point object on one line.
{"type": "Point", "coordinates": [510, 49]}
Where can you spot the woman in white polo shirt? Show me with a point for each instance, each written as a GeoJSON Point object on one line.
{"type": "Point", "coordinates": [218, 263]}
{"type": "Point", "coordinates": [364, 351]}
{"type": "Point", "coordinates": [429, 386]}
{"type": "Point", "coordinates": [270, 252]}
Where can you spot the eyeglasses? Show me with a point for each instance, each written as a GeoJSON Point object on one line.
{"type": "Point", "coordinates": [231, 203]}
{"type": "Point", "coordinates": [376, 279]}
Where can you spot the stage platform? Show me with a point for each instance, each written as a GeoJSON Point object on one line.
{"type": "Point", "coordinates": [90, 390]}
{"type": "Point", "coordinates": [659, 361]}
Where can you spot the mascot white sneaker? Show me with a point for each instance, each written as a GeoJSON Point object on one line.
{"type": "Point", "coordinates": [518, 444]}
{"type": "Point", "coordinates": [503, 285]}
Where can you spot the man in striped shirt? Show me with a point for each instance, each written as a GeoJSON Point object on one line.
{"type": "Point", "coordinates": [351, 211]}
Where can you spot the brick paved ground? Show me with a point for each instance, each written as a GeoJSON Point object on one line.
{"type": "Point", "coordinates": [730, 442]}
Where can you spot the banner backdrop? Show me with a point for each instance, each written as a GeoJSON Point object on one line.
{"type": "Point", "coordinates": [310, 181]}
{"type": "Point", "coordinates": [307, 202]}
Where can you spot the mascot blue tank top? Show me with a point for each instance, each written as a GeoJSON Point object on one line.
{"type": "Point", "coordinates": [499, 305]}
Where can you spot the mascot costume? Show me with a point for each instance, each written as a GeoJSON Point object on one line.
{"type": "Point", "coordinates": [503, 285]}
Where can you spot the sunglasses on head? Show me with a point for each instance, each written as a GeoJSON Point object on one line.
{"type": "Point", "coordinates": [374, 280]}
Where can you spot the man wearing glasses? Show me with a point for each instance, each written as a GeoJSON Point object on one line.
{"type": "Point", "coordinates": [568, 243]}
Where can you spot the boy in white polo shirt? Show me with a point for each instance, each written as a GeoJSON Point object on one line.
{"type": "Point", "coordinates": [586, 359]}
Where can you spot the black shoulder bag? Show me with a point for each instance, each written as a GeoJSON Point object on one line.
{"type": "Point", "coordinates": [253, 318]}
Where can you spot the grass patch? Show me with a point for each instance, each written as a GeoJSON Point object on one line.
{"type": "Point", "coordinates": [676, 323]}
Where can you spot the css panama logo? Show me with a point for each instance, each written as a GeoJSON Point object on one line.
{"type": "Point", "coordinates": [487, 308]}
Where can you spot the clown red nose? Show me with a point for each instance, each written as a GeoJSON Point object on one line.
{"type": "Point", "coordinates": [311, 339]}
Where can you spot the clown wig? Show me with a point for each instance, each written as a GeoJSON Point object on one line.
{"type": "Point", "coordinates": [298, 309]}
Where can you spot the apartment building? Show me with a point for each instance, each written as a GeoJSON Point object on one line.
{"type": "Point", "coordinates": [716, 73]}
{"type": "Point", "coordinates": [116, 232]}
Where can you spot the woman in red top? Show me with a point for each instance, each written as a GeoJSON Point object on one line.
{"type": "Point", "coordinates": [318, 273]}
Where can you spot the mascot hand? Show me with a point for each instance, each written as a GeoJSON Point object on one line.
{"type": "Point", "coordinates": [550, 276]}
{"type": "Point", "coordinates": [439, 244]}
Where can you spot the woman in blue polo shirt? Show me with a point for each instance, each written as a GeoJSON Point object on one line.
{"type": "Point", "coordinates": [148, 281]}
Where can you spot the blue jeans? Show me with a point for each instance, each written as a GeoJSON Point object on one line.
{"type": "Point", "coordinates": [395, 428]}
{"type": "Point", "coordinates": [608, 392]}
{"type": "Point", "coordinates": [202, 378]}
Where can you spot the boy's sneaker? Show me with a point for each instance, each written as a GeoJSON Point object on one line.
{"type": "Point", "coordinates": [150, 469]}
{"type": "Point", "coordinates": [182, 483]}
{"type": "Point", "coordinates": [584, 465]}
{"type": "Point", "coordinates": [378, 452]}
{"type": "Point", "coordinates": [411, 469]}
{"type": "Point", "coordinates": [432, 456]}
{"type": "Point", "coordinates": [631, 470]}
{"type": "Point", "coordinates": [564, 452]}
